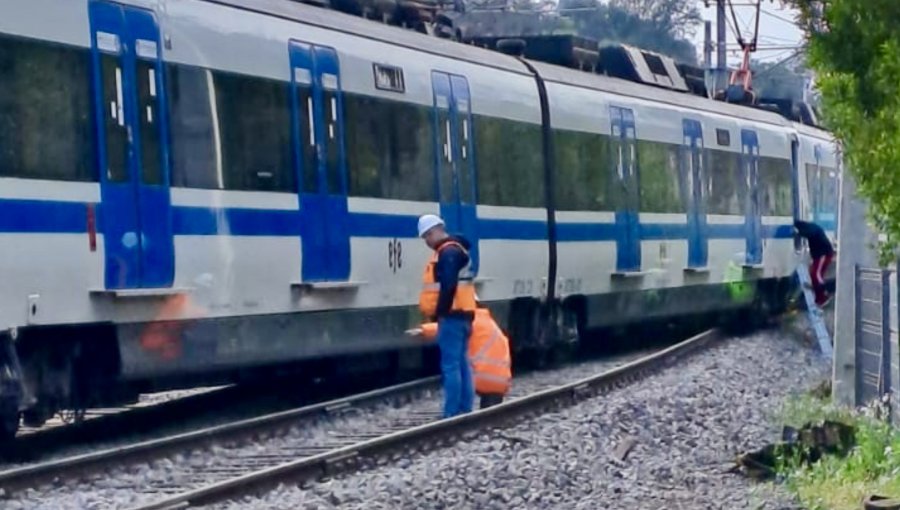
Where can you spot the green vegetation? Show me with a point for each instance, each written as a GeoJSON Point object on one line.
{"type": "Point", "coordinates": [872, 467]}
{"type": "Point", "coordinates": [853, 47]}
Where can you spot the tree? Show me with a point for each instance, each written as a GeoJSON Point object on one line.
{"type": "Point", "coordinates": [674, 17]}
{"type": "Point", "coordinates": [853, 46]}
{"type": "Point", "coordinates": [780, 80]}
{"type": "Point", "coordinates": [655, 25]}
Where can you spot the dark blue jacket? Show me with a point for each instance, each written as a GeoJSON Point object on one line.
{"type": "Point", "coordinates": [819, 245]}
{"type": "Point", "coordinates": [451, 261]}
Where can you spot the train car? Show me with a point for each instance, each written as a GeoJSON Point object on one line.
{"type": "Point", "coordinates": [195, 190]}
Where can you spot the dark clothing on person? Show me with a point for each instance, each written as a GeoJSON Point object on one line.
{"type": "Point", "coordinates": [490, 399]}
{"type": "Point", "coordinates": [822, 253]}
{"type": "Point", "coordinates": [451, 260]}
{"type": "Point", "coordinates": [819, 245]}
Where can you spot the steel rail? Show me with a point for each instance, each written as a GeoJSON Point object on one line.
{"type": "Point", "coordinates": [431, 435]}
{"type": "Point", "coordinates": [14, 480]}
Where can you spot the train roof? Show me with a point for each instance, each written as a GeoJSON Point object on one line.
{"type": "Point", "coordinates": [627, 88]}
{"type": "Point", "coordinates": [338, 21]}
{"type": "Point", "coordinates": [358, 26]}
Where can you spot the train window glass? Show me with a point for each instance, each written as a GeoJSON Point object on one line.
{"type": "Point", "coordinates": [148, 120]}
{"type": "Point", "coordinates": [465, 166]}
{"type": "Point", "coordinates": [447, 149]}
{"type": "Point", "coordinates": [193, 147]}
{"type": "Point", "coordinates": [723, 137]}
{"type": "Point", "coordinates": [583, 171]}
{"type": "Point", "coordinates": [510, 162]}
{"type": "Point", "coordinates": [331, 110]}
{"type": "Point", "coordinates": [306, 122]}
{"type": "Point", "coordinates": [725, 193]}
{"type": "Point", "coordinates": [829, 190]}
{"type": "Point", "coordinates": [814, 187]}
{"type": "Point", "coordinates": [45, 112]}
{"type": "Point", "coordinates": [390, 148]}
{"type": "Point", "coordinates": [660, 178]}
{"type": "Point", "coordinates": [254, 122]}
{"type": "Point", "coordinates": [775, 187]}
{"type": "Point", "coordinates": [115, 128]}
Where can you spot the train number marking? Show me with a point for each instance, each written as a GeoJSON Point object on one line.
{"type": "Point", "coordinates": [523, 287]}
{"type": "Point", "coordinates": [570, 285]}
{"type": "Point", "coordinates": [395, 255]}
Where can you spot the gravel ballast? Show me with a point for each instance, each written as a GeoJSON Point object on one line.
{"type": "Point", "coordinates": [687, 422]}
{"type": "Point", "coordinates": [129, 486]}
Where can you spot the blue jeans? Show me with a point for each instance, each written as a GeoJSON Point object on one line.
{"type": "Point", "coordinates": [453, 339]}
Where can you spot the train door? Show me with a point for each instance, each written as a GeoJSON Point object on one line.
{"type": "Point", "coordinates": [693, 179]}
{"type": "Point", "coordinates": [628, 238]}
{"type": "Point", "coordinates": [795, 186]}
{"type": "Point", "coordinates": [456, 171]}
{"type": "Point", "coordinates": [752, 219]}
{"type": "Point", "coordinates": [135, 209]}
{"type": "Point", "coordinates": [319, 159]}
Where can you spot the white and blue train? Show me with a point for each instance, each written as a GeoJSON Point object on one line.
{"type": "Point", "coordinates": [242, 179]}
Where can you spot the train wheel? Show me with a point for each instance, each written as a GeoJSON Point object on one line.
{"type": "Point", "coordinates": [10, 389]}
{"type": "Point", "coordinates": [9, 422]}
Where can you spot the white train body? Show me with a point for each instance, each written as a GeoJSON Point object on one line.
{"type": "Point", "coordinates": [174, 158]}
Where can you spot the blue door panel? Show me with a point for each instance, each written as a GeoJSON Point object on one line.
{"type": "Point", "coordinates": [455, 168]}
{"type": "Point", "coordinates": [752, 218]}
{"type": "Point", "coordinates": [136, 218]}
{"type": "Point", "coordinates": [692, 180]}
{"type": "Point", "coordinates": [153, 198]}
{"type": "Point", "coordinates": [628, 235]}
{"type": "Point", "coordinates": [462, 122]}
{"type": "Point", "coordinates": [324, 216]}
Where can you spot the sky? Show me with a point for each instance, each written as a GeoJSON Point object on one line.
{"type": "Point", "coordinates": [777, 32]}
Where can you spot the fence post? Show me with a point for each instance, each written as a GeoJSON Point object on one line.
{"type": "Point", "coordinates": [894, 346]}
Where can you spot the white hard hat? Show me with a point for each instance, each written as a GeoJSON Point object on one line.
{"type": "Point", "coordinates": [428, 222]}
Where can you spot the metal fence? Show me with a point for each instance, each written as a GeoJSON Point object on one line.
{"type": "Point", "coordinates": [877, 352]}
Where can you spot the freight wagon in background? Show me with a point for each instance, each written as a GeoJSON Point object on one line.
{"type": "Point", "coordinates": [195, 191]}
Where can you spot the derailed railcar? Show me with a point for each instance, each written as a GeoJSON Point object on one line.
{"type": "Point", "coordinates": [196, 190]}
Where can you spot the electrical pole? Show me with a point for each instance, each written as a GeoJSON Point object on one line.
{"type": "Point", "coordinates": [708, 73]}
{"type": "Point", "coordinates": [721, 57]}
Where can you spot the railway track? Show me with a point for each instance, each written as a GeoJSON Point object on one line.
{"type": "Point", "coordinates": [151, 410]}
{"type": "Point", "coordinates": [317, 440]}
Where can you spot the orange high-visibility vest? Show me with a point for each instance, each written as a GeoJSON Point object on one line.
{"type": "Point", "coordinates": [463, 301]}
{"type": "Point", "coordinates": [488, 353]}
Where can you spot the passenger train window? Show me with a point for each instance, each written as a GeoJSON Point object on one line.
{"type": "Point", "coordinates": [510, 162]}
{"type": "Point", "coordinates": [192, 150]}
{"type": "Point", "coordinates": [466, 186]}
{"type": "Point", "coordinates": [583, 171]}
{"type": "Point", "coordinates": [254, 122]}
{"type": "Point", "coordinates": [660, 178]}
{"type": "Point", "coordinates": [148, 117]}
{"type": "Point", "coordinates": [725, 191]}
{"type": "Point", "coordinates": [390, 148]}
{"type": "Point", "coordinates": [306, 125]}
{"type": "Point", "coordinates": [46, 115]}
{"type": "Point", "coordinates": [447, 150]}
{"type": "Point", "coordinates": [114, 113]}
{"type": "Point", "coordinates": [775, 187]}
{"type": "Point", "coordinates": [331, 112]}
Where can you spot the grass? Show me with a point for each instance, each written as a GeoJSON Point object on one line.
{"type": "Point", "coordinates": [872, 467]}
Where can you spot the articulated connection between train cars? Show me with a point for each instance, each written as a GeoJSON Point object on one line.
{"type": "Point", "coordinates": [195, 190]}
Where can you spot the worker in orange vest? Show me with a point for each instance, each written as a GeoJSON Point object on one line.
{"type": "Point", "coordinates": [448, 297]}
{"type": "Point", "coordinates": [488, 353]}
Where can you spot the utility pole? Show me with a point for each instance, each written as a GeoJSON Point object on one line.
{"type": "Point", "coordinates": [709, 76]}
{"type": "Point", "coordinates": [721, 57]}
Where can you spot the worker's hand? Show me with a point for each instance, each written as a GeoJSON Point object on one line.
{"type": "Point", "coordinates": [414, 332]}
